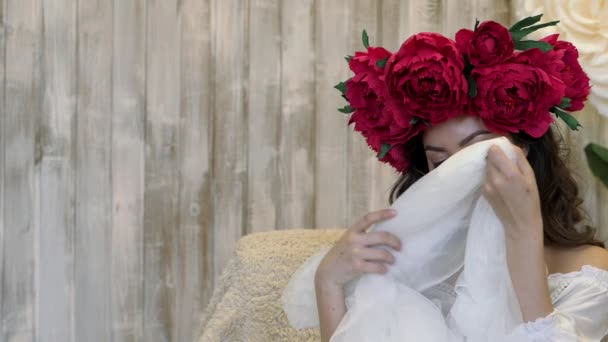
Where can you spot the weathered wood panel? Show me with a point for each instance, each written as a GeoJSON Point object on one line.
{"type": "Point", "coordinates": [128, 169]}
{"type": "Point", "coordinates": [192, 268]}
{"type": "Point", "coordinates": [92, 245]}
{"type": "Point", "coordinates": [161, 205]}
{"type": "Point", "coordinates": [497, 10]}
{"type": "Point", "coordinates": [205, 238]}
{"type": "Point", "coordinates": [55, 281]}
{"type": "Point", "coordinates": [296, 157]}
{"type": "Point", "coordinates": [3, 32]}
{"type": "Point", "coordinates": [263, 110]}
{"type": "Point", "coordinates": [389, 30]}
{"type": "Point", "coordinates": [457, 15]}
{"type": "Point", "coordinates": [21, 119]}
{"type": "Point", "coordinates": [229, 170]}
{"type": "Point", "coordinates": [425, 16]}
{"type": "Point", "coordinates": [333, 29]}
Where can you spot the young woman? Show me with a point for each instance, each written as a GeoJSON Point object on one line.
{"type": "Point", "coordinates": [558, 269]}
{"type": "Point", "coordinates": [540, 219]}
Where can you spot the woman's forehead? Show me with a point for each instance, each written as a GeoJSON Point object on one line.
{"type": "Point", "coordinates": [452, 131]}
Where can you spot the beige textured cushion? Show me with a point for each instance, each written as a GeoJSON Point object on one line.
{"type": "Point", "coordinates": [246, 304]}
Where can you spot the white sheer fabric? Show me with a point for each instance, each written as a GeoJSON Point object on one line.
{"type": "Point", "coordinates": [580, 300]}
{"type": "Point", "coordinates": [437, 218]}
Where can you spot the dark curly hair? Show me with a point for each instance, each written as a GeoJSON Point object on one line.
{"type": "Point", "coordinates": [563, 215]}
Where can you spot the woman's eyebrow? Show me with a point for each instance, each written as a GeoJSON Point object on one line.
{"type": "Point", "coordinates": [462, 143]}
{"type": "Point", "coordinates": [472, 136]}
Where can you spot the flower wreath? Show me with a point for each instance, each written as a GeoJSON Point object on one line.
{"type": "Point", "coordinates": [512, 84]}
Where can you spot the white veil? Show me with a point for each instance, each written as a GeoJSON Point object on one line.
{"type": "Point", "coordinates": [445, 226]}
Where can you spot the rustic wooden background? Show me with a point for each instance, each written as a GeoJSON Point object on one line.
{"type": "Point", "coordinates": [141, 138]}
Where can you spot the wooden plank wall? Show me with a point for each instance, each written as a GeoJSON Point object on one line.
{"type": "Point", "coordinates": [140, 139]}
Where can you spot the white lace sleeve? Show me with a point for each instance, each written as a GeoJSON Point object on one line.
{"type": "Point", "coordinates": [581, 309]}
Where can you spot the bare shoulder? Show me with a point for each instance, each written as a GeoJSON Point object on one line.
{"type": "Point", "coordinates": [571, 259]}
{"type": "Point", "coordinates": [595, 256]}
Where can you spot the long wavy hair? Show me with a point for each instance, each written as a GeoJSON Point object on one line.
{"type": "Point", "coordinates": [564, 218]}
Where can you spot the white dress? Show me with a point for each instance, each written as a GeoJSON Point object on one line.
{"type": "Point", "coordinates": [580, 300]}
{"type": "Point", "coordinates": [450, 282]}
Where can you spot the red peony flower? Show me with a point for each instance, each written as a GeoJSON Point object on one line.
{"type": "Point", "coordinates": [490, 44]}
{"type": "Point", "coordinates": [366, 91]}
{"type": "Point", "coordinates": [392, 96]}
{"type": "Point", "coordinates": [516, 95]}
{"type": "Point", "coordinates": [397, 156]}
{"type": "Point", "coordinates": [425, 79]}
{"type": "Point", "coordinates": [570, 71]}
{"type": "Point", "coordinates": [368, 97]}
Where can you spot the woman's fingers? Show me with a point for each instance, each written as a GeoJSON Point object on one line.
{"type": "Point", "coordinates": [375, 255]}
{"type": "Point", "coordinates": [506, 175]}
{"type": "Point", "coordinates": [495, 184]}
{"type": "Point", "coordinates": [381, 238]}
{"type": "Point", "coordinates": [524, 166]}
{"type": "Point", "coordinates": [502, 163]}
{"type": "Point", "coordinates": [363, 266]}
{"type": "Point", "coordinates": [492, 177]}
{"type": "Point", "coordinates": [373, 217]}
{"type": "Point", "coordinates": [496, 177]}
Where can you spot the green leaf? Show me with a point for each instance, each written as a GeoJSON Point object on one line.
{"type": "Point", "coordinates": [568, 119]}
{"type": "Point", "coordinates": [348, 58]}
{"type": "Point", "coordinates": [365, 39]}
{"type": "Point", "coordinates": [428, 124]}
{"type": "Point", "coordinates": [525, 22]}
{"type": "Point", "coordinates": [472, 87]}
{"type": "Point", "coordinates": [414, 120]}
{"type": "Point", "coordinates": [518, 35]}
{"type": "Point", "coordinates": [341, 87]}
{"type": "Point", "coordinates": [476, 24]}
{"type": "Point", "coordinates": [524, 45]}
{"type": "Point", "coordinates": [382, 62]}
{"type": "Point", "coordinates": [566, 103]}
{"type": "Point", "coordinates": [346, 109]}
{"type": "Point", "coordinates": [467, 66]}
{"type": "Point", "coordinates": [597, 159]}
{"type": "Point", "coordinates": [384, 150]}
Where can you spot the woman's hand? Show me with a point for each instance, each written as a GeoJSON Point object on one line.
{"type": "Point", "coordinates": [356, 253]}
{"type": "Point", "coordinates": [511, 189]}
